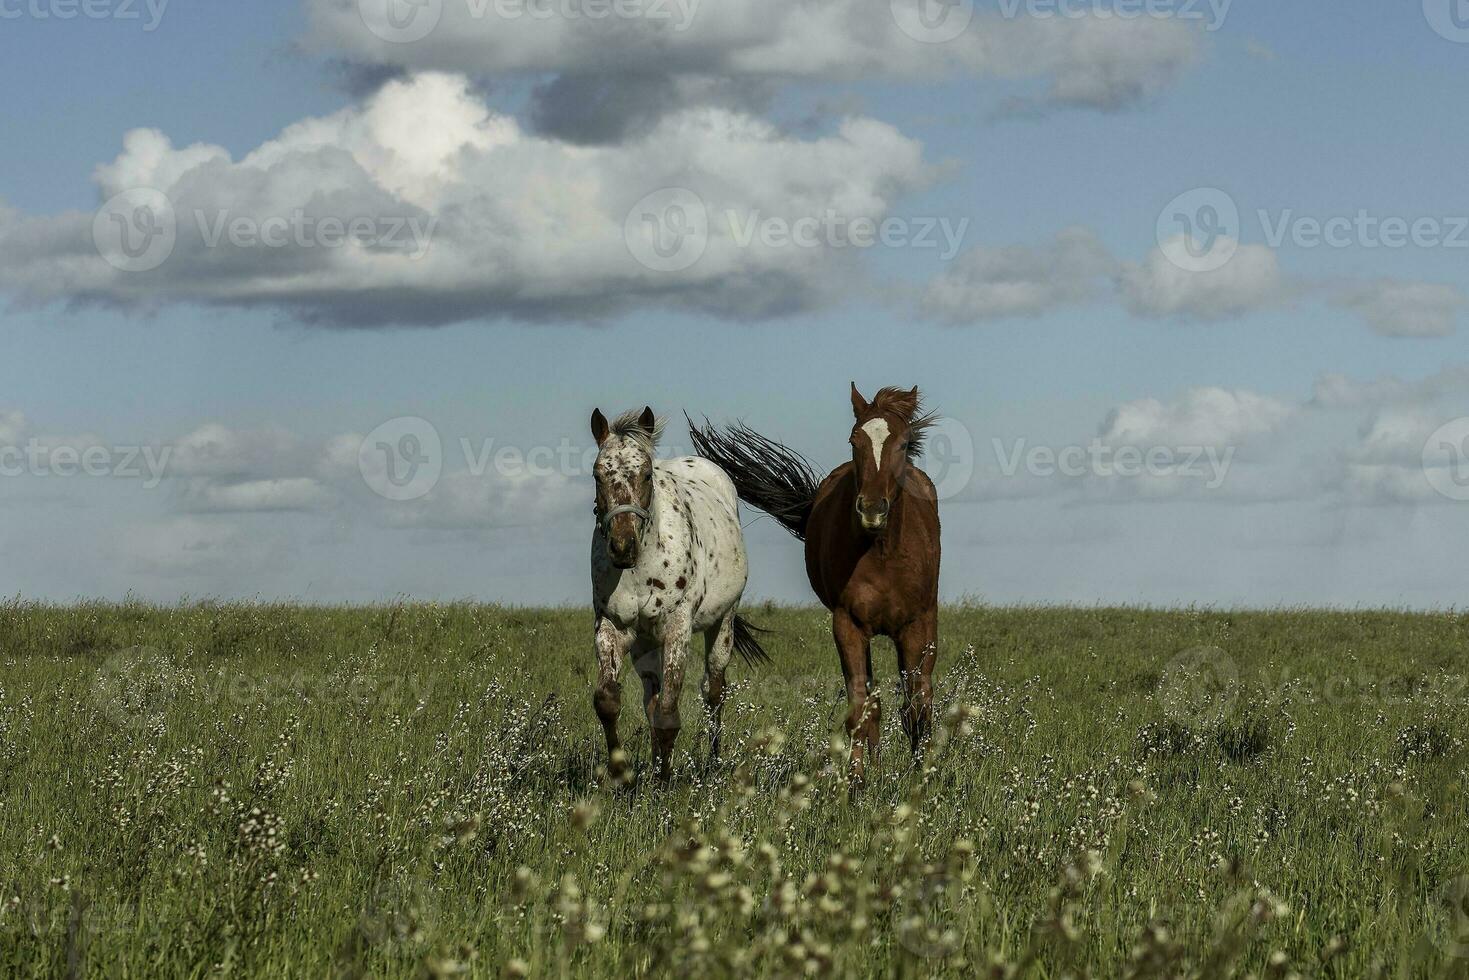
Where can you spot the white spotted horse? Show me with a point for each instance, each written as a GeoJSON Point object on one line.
{"type": "Point", "coordinates": [668, 561]}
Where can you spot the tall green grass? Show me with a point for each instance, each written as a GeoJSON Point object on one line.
{"type": "Point", "coordinates": [417, 790]}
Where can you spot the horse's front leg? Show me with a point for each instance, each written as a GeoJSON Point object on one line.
{"type": "Point", "coordinates": [917, 645]}
{"type": "Point", "coordinates": [864, 707]}
{"type": "Point", "coordinates": [662, 700]}
{"type": "Point", "coordinates": [612, 643]}
{"type": "Point", "coordinates": [718, 649]}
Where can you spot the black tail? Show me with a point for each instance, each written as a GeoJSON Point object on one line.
{"type": "Point", "coordinates": [766, 474]}
{"type": "Point", "coordinates": [745, 643]}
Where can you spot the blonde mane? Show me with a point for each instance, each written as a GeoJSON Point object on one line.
{"type": "Point", "coordinates": [627, 426]}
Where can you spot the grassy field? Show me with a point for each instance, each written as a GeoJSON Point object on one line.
{"type": "Point", "coordinates": [247, 790]}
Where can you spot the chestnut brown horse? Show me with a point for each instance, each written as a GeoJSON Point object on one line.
{"type": "Point", "coordinates": [872, 547]}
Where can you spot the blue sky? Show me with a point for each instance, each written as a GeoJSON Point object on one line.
{"type": "Point", "coordinates": [1062, 320]}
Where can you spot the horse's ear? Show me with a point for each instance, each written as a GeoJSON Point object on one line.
{"type": "Point", "coordinates": [599, 426]}
{"type": "Point", "coordinates": [648, 420]}
{"type": "Point", "coordinates": [859, 404]}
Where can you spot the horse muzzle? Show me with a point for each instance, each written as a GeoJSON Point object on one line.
{"type": "Point", "coordinates": [873, 516]}
{"type": "Point", "coordinates": [622, 549]}
{"type": "Point", "coordinates": [622, 557]}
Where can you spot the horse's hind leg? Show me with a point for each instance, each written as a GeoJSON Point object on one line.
{"type": "Point", "coordinates": [612, 645]}
{"type": "Point", "coordinates": [917, 650]}
{"type": "Point", "coordinates": [864, 709]}
{"type": "Point", "coordinates": [718, 649]}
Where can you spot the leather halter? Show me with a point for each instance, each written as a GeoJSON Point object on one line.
{"type": "Point", "coordinates": [633, 509]}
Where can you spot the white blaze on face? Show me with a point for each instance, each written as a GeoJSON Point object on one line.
{"type": "Point", "coordinates": [877, 434]}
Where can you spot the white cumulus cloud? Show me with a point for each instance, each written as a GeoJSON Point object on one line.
{"type": "Point", "coordinates": [987, 283]}
{"type": "Point", "coordinates": [13, 425]}
{"type": "Point", "coordinates": [466, 215]}
{"type": "Point", "coordinates": [1396, 308]}
{"type": "Point", "coordinates": [1157, 287]}
{"type": "Point", "coordinates": [1207, 416]}
{"type": "Point", "coordinates": [1094, 62]}
{"type": "Point", "coordinates": [249, 496]}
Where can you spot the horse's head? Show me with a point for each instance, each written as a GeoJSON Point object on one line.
{"type": "Point", "coordinates": [624, 473]}
{"type": "Point", "coordinates": [887, 438]}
